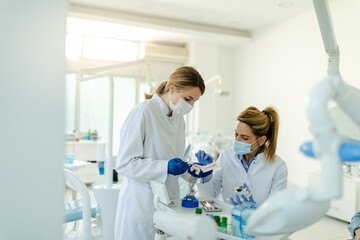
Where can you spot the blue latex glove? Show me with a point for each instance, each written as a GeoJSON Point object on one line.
{"type": "Point", "coordinates": [201, 174]}
{"type": "Point", "coordinates": [176, 166]}
{"type": "Point", "coordinates": [203, 157]}
{"type": "Point", "coordinates": [244, 199]}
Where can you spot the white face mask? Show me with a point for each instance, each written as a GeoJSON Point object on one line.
{"type": "Point", "coordinates": [181, 107]}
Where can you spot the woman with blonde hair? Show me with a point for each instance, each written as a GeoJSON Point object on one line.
{"type": "Point", "coordinates": [152, 143]}
{"type": "Point", "coordinates": [252, 161]}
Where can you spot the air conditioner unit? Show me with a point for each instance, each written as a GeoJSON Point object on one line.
{"type": "Point", "coordinates": [166, 53]}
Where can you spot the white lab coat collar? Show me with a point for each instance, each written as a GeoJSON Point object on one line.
{"type": "Point", "coordinates": [163, 107]}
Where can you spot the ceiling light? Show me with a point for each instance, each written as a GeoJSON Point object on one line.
{"type": "Point", "coordinates": [286, 4]}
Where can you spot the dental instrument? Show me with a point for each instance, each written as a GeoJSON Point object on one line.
{"type": "Point", "coordinates": [186, 153]}
{"type": "Point", "coordinates": [293, 209]}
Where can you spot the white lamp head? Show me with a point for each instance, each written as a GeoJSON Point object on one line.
{"type": "Point", "coordinates": [286, 212]}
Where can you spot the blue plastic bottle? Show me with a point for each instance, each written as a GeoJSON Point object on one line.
{"type": "Point", "coordinates": [239, 216]}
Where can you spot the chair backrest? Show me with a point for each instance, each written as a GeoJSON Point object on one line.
{"type": "Point", "coordinates": [78, 185]}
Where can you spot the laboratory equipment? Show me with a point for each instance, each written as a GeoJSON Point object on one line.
{"type": "Point", "coordinates": [210, 206]}
{"type": "Point", "coordinates": [221, 89]}
{"type": "Point", "coordinates": [107, 199]}
{"type": "Point", "coordinates": [100, 157]}
{"type": "Point", "coordinates": [69, 159]}
{"type": "Point", "coordinates": [180, 222]}
{"type": "Point", "coordinates": [160, 194]}
{"type": "Point", "coordinates": [184, 226]}
{"type": "Point", "coordinates": [186, 153]}
{"type": "Point", "coordinates": [223, 226]}
{"type": "Point", "coordinates": [293, 209]}
{"type": "Point", "coordinates": [189, 202]}
{"type": "Point", "coordinates": [239, 217]}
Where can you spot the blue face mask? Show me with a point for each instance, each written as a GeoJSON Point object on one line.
{"type": "Point", "coordinates": [242, 148]}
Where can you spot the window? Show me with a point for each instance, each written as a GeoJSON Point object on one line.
{"type": "Point", "coordinates": [110, 49]}
{"type": "Point", "coordinates": [94, 106]}
{"type": "Point", "coordinates": [70, 102]}
{"type": "Point", "coordinates": [124, 101]}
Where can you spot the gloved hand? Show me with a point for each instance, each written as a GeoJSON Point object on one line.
{"type": "Point", "coordinates": [176, 166]}
{"type": "Point", "coordinates": [243, 199]}
{"type": "Point", "coordinates": [203, 157]}
{"type": "Point", "coordinates": [201, 174]}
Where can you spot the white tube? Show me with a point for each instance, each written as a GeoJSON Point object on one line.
{"type": "Point", "coordinates": [348, 98]}
{"type": "Point", "coordinates": [109, 168]}
{"type": "Point", "coordinates": [327, 140]}
{"type": "Point", "coordinates": [85, 201]}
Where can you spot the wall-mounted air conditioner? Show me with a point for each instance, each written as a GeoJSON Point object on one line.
{"type": "Point", "coordinates": [166, 53]}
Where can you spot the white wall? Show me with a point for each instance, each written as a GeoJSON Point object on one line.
{"type": "Point", "coordinates": [213, 111]}
{"type": "Point", "coordinates": [32, 71]}
{"type": "Point", "coordinates": [280, 66]}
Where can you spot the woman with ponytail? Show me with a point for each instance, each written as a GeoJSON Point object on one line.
{"type": "Point", "coordinates": [152, 143]}
{"type": "Point", "coordinates": [251, 162]}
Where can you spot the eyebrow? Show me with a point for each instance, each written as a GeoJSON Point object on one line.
{"type": "Point", "coordinates": [243, 135]}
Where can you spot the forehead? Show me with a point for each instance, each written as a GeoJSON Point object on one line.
{"type": "Point", "coordinates": [244, 129]}
{"type": "Point", "coordinates": [194, 92]}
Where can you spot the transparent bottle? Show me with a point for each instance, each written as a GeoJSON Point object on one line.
{"type": "Point", "coordinates": [239, 217]}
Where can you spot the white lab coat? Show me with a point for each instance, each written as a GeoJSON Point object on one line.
{"type": "Point", "coordinates": [148, 139]}
{"type": "Point", "coordinates": [263, 179]}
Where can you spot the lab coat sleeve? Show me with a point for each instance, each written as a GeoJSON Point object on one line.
{"type": "Point", "coordinates": [354, 224]}
{"type": "Point", "coordinates": [212, 188]}
{"type": "Point", "coordinates": [130, 161]}
{"type": "Point", "coordinates": [187, 177]}
{"type": "Point", "coordinates": [279, 180]}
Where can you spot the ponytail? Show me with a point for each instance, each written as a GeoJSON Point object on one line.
{"type": "Point", "coordinates": [272, 133]}
{"type": "Point", "coordinates": [160, 90]}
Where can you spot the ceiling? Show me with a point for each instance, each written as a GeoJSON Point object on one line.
{"type": "Point", "coordinates": [235, 19]}
{"type": "Point", "coordinates": [236, 14]}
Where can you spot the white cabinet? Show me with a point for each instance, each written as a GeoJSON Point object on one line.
{"type": "Point", "coordinates": [345, 207]}
{"type": "Point", "coordinates": [85, 151]}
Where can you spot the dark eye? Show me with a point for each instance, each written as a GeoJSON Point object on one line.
{"type": "Point", "coordinates": [236, 134]}
{"type": "Point", "coordinates": [186, 99]}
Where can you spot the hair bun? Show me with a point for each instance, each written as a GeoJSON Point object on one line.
{"type": "Point", "coordinates": [268, 115]}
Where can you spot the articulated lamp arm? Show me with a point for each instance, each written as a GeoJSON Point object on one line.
{"type": "Point", "coordinates": [328, 36]}
{"type": "Point", "coordinates": [293, 209]}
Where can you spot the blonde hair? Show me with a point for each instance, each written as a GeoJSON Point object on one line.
{"type": "Point", "coordinates": [265, 123]}
{"type": "Point", "coordinates": [182, 78]}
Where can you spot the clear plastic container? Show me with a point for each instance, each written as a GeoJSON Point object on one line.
{"type": "Point", "coordinates": [69, 159]}
{"type": "Point", "coordinates": [239, 216]}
